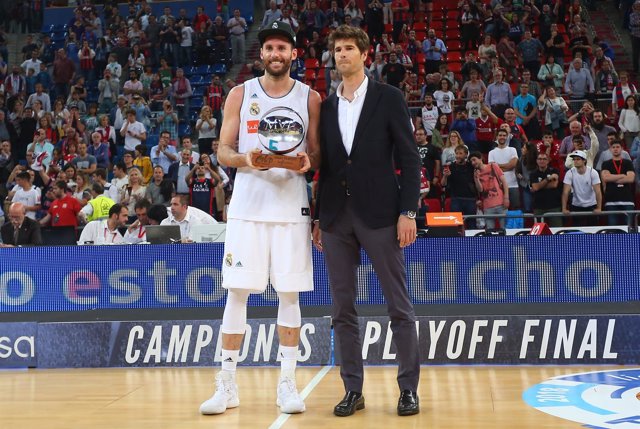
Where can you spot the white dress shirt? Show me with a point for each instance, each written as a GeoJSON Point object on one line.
{"type": "Point", "coordinates": [98, 232]}
{"type": "Point", "coordinates": [194, 216]}
{"type": "Point", "coordinates": [349, 113]}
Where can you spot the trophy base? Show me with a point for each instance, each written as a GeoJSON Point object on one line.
{"type": "Point", "coordinates": [262, 160]}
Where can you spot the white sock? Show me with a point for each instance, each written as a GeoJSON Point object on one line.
{"type": "Point", "coordinates": [288, 360]}
{"type": "Point", "coordinates": [230, 360]}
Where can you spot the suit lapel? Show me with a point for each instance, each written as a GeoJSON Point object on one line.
{"type": "Point", "coordinates": [369, 106]}
{"type": "Point", "coordinates": [334, 125]}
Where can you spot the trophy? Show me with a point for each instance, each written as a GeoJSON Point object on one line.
{"type": "Point", "coordinates": [280, 132]}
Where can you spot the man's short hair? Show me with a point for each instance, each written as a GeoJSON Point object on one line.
{"type": "Point", "coordinates": [547, 133]}
{"type": "Point", "coordinates": [131, 112]}
{"type": "Point", "coordinates": [101, 173]}
{"type": "Point", "coordinates": [121, 165]}
{"type": "Point", "coordinates": [348, 32]}
{"type": "Point", "coordinates": [61, 184]}
{"type": "Point", "coordinates": [577, 138]}
{"type": "Point", "coordinates": [165, 132]}
{"type": "Point", "coordinates": [142, 149]}
{"type": "Point", "coordinates": [462, 147]}
{"type": "Point", "coordinates": [618, 142]}
{"type": "Point", "coordinates": [502, 130]}
{"type": "Point", "coordinates": [24, 176]}
{"type": "Point", "coordinates": [157, 212]}
{"type": "Point", "coordinates": [97, 188]}
{"type": "Point", "coordinates": [184, 199]}
{"type": "Point", "coordinates": [475, 154]}
{"type": "Point", "coordinates": [612, 133]}
{"type": "Point", "coordinates": [116, 209]}
{"type": "Point", "coordinates": [142, 204]}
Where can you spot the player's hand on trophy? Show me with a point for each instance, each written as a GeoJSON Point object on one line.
{"type": "Point", "coordinates": [307, 162]}
{"type": "Point", "coordinates": [249, 161]}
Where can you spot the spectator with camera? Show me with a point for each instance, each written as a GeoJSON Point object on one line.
{"type": "Point", "coordinates": [202, 189]}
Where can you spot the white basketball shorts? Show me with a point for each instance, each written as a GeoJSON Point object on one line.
{"type": "Point", "coordinates": [256, 252]}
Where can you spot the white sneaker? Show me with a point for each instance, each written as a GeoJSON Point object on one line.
{"type": "Point", "coordinates": [289, 400]}
{"type": "Point", "coordinates": [225, 396]}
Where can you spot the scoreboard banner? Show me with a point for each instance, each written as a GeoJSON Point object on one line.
{"type": "Point", "coordinates": [572, 268]}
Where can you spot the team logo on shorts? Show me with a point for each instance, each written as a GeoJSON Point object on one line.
{"type": "Point", "coordinates": [228, 260]}
{"type": "Point", "coordinates": [602, 399]}
{"type": "Point", "coordinates": [254, 109]}
{"type": "Point", "coordinates": [281, 130]}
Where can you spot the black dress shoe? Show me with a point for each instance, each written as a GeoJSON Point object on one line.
{"type": "Point", "coordinates": [351, 402]}
{"type": "Point", "coordinates": [408, 404]}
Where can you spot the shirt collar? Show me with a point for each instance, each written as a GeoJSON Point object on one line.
{"type": "Point", "coordinates": [362, 89]}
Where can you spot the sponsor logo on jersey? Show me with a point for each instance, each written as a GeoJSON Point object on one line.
{"type": "Point", "coordinates": [252, 127]}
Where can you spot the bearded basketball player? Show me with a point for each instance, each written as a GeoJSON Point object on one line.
{"type": "Point", "coordinates": [268, 230]}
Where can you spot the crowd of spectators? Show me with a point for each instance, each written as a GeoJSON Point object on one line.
{"type": "Point", "coordinates": [515, 104]}
{"type": "Point", "coordinates": [120, 109]}
{"type": "Point", "coordinates": [471, 68]}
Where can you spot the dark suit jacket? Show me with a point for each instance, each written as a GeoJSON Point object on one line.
{"type": "Point", "coordinates": [173, 172]}
{"type": "Point", "coordinates": [383, 141]}
{"type": "Point", "coordinates": [29, 234]}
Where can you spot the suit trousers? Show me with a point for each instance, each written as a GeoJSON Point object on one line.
{"type": "Point", "coordinates": [341, 244]}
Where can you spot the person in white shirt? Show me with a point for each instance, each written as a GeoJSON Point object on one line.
{"type": "Point", "coordinates": [134, 132]}
{"type": "Point", "coordinates": [119, 181]}
{"type": "Point", "coordinates": [105, 231]}
{"type": "Point", "coordinates": [32, 63]}
{"type": "Point", "coordinates": [137, 233]}
{"type": "Point", "coordinates": [185, 216]}
{"type": "Point", "coordinates": [27, 194]}
{"type": "Point", "coordinates": [507, 158]}
{"type": "Point", "coordinates": [186, 43]}
{"type": "Point", "coordinates": [584, 184]}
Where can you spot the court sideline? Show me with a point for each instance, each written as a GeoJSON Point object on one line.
{"type": "Point", "coordinates": [476, 397]}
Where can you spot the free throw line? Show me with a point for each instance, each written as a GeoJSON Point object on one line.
{"type": "Point", "coordinates": [282, 418]}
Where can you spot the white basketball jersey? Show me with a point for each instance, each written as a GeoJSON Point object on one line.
{"type": "Point", "coordinates": [272, 124]}
{"type": "Point", "coordinates": [429, 118]}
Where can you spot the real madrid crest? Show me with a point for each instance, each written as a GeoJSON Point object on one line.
{"type": "Point", "coordinates": [254, 109]}
{"type": "Point", "coordinates": [228, 260]}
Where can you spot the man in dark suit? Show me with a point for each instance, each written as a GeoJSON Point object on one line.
{"type": "Point", "coordinates": [178, 172]}
{"type": "Point", "coordinates": [366, 135]}
{"type": "Point", "coordinates": [20, 230]}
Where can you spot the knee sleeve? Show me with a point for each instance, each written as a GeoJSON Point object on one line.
{"type": "Point", "coordinates": [289, 310]}
{"type": "Point", "coordinates": [234, 318]}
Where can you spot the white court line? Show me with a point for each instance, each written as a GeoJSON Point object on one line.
{"type": "Point", "coordinates": [282, 418]}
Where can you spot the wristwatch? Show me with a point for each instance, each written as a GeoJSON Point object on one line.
{"type": "Point", "coordinates": [408, 213]}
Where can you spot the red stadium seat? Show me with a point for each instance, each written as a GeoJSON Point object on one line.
{"type": "Point", "coordinates": [420, 58]}
{"type": "Point", "coordinates": [454, 56]}
{"type": "Point", "coordinates": [388, 28]}
{"type": "Point", "coordinates": [452, 23]}
{"type": "Point", "coordinates": [311, 63]}
{"type": "Point", "coordinates": [421, 35]}
{"type": "Point", "coordinates": [452, 34]}
{"type": "Point", "coordinates": [310, 75]}
{"type": "Point", "coordinates": [455, 67]}
{"type": "Point", "coordinates": [420, 26]}
{"type": "Point", "coordinates": [453, 45]}
{"type": "Point", "coordinates": [321, 86]}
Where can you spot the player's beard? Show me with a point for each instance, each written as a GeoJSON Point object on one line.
{"type": "Point", "coordinates": [284, 71]}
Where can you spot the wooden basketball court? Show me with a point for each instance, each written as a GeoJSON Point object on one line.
{"type": "Point", "coordinates": [451, 397]}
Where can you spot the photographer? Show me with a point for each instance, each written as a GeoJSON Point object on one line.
{"type": "Point", "coordinates": [201, 189]}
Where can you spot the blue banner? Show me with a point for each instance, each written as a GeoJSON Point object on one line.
{"type": "Point", "coordinates": [514, 269]}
